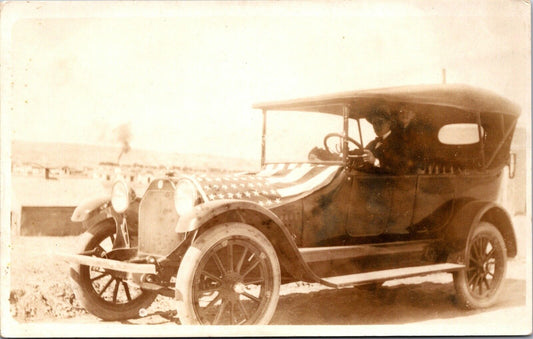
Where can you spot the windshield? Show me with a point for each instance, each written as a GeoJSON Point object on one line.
{"type": "Point", "coordinates": [292, 135]}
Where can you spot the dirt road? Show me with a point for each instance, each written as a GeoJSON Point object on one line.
{"type": "Point", "coordinates": [41, 300]}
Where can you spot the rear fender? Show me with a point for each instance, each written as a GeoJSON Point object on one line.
{"type": "Point", "coordinates": [469, 214]}
{"type": "Point", "coordinates": [214, 212]}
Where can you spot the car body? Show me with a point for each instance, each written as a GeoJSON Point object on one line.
{"type": "Point", "coordinates": [222, 245]}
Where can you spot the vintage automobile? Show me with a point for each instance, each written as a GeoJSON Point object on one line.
{"type": "Point", "coordinates": [223, 245]}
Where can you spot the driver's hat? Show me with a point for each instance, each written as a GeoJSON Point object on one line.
{"type": "Point", "coordinates": [381, 111]}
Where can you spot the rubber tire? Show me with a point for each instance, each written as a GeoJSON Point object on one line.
{"type": "Point", "coordinates": [465, 299]}
{"type": "Point", "coordinates": [84, 291]}
{"type": "Point", "coordinates": [201, 246]}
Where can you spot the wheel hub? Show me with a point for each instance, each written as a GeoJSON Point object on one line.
{"type": "Point", "coordinates": [238, 288]}
{"type": "Point", "coordinates": [232, 286]}
{"type": "Point", "coordinates": [488, 267]}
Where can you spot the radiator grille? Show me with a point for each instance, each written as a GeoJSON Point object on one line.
{"type": "Point", "coordinates": [157, 221]}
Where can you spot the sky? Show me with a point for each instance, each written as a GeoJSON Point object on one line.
{"type": "Point", "coordinates": [184, 75]}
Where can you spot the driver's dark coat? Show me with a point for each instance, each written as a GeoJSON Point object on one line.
{"type": "Point", "coordinates": [390, 152]}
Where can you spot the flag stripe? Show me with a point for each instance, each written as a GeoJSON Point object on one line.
{"type": "Point", "coordinates": [314, 183]}
{"type": "Point", "coordinates": [271, 169]}
{"type": "Point", "coordinates": [314, 171]}
{"type": "Point", "coordinates": [294, 175]}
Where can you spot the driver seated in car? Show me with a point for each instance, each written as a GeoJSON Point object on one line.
{"type": "Point", "coordinates": [385, 153]}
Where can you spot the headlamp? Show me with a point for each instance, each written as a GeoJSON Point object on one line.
{"type": "Point", "coordinates": [120, 199]}
{"type": "Point", "coordinates": [185, 196]}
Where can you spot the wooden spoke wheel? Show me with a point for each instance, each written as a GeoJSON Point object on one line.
{"type": "Point", "coordinates": [106, 293]}
{"type": "Point", "coordinates": [229, 276]}
{"type": "Point", "coordinates": [480, 283]}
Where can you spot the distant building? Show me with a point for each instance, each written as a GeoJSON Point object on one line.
{"type": "Point", "coordinates": [145, 177]}
{"type": "Point", "coordinates": [44, 207]}
{"type": "Point", "coordinates": [37, 170]}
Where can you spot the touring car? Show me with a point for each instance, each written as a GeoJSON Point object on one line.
{"type": "Point", "coordinates": [222, 245]}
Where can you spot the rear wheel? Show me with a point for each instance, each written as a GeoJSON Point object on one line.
{"type": "Point", "coordinates": [230, 275]}
{"type": "Point", "coordinates": [480, 283]}
{"type": "Point", "coordinates": [102, 292]}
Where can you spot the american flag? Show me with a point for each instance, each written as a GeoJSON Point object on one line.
{"type": "Point", "coordinates": [274, 185]}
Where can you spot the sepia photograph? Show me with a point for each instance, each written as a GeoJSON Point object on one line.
{"type": "Point", "coordinates": [265, 168]}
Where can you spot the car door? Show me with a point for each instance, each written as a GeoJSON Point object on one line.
{"type": "Point", "coordinates": [381, 204]}
{"type": "Point", "coordinates": [370, 204]}
{"type": "Point", "coordinates": [403, 194]}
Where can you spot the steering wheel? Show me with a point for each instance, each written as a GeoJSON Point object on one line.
{"type": "Point", "coordinates": [340, 136]}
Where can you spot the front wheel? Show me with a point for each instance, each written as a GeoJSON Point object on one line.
{"type": "Point", "coordinates": [106, 293]}
{"type": "Point", "coordinates": [480, 282]}
{"type": "Point", "coordinates": [230, 275]}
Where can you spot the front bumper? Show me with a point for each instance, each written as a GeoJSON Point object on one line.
{"type": "Point", "coordinates": [108, 263]}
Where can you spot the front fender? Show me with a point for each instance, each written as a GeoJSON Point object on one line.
{"type": "Point", "coordinates": [203, 212]}
{"type": "Point", "coordinates": [271, 226]}
{"type": "Point", "coordinates": [85, 210]}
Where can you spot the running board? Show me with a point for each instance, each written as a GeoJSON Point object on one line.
{"type": "Point", "coordinates": [377, 276]}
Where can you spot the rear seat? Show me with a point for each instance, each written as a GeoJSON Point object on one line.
{"type": "Point", "coordinates": [442, 168]}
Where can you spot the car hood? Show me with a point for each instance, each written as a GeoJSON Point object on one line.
{"type": "Point", "coordinates": [274, 185]}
